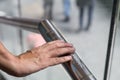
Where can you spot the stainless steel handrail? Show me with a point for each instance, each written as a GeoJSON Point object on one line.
{"type": "Point", "coordinates": [76, 68]}
{"type": "Point", "coordinates": [23, 23]}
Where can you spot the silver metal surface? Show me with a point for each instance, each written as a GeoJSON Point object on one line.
{"type": "Point", "coordinates": [112, 35]}
{"type": "Point", "coordinates": [76, 68]}
{"type": "Point", "coordinates": [26, 24]}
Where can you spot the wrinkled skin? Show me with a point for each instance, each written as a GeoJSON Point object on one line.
{"type": "Point", "coordinates": [34, 60]}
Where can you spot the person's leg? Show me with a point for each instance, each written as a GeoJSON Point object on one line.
{"type": "Point", "coordinates": [90, 16]}
{"type": "Point", "coordinates": [66, 4]}
{"type": "Point", "coordinates": [45, 5]}
{"type": "Point", "coordinates": [51, 10]}
{"type": "Point", "coordinates": [81, 17]}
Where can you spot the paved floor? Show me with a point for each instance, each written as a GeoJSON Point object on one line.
{"type": "Point", "coordinates": [90, 45]}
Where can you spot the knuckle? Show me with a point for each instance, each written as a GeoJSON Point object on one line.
{"type": "Point", "coordinates": [71, 49]}
{"type": "Point", "coordinates": [57, 45]}
{"type": "Point", "coordinates": [63, 59]}
{"type": "Point", "coordinates": [67, 58]}
{"type": "Point", "coordinates": [56, 61]}
{"type": "Point", "coordinates": [49, 43]}
{"type": "Point", "coordinates": [57, 51]}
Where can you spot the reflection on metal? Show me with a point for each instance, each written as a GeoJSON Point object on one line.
{"type": "Point", "coordinates": [26, 24]}
{"type": "Point", "coordinates": [2, 77]}
{"type": "Point", "coordinates": [111, 42]}
{"type": "Point", "coordinates": [76, 68]}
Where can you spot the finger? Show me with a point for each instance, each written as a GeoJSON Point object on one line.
{"type": "Point", "coordinates": [58, 44]}
{"type": "Point", "coordinates": [55, 41]}
{"type": "Point", "coordinates": [60, 60]}
{"type": "Point", "coordinates": [62, 51]}
{"type": "Point", "coordinates": [46, 45]}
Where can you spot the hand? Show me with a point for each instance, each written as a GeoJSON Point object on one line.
{"type": "Point", "coordinates": [44, 56]}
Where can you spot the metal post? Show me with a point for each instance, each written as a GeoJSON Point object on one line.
{"type": "Point", "coordinates": [20, 32]}
{"type": "Point", "coordinates": [76, 69]}
{"type": "Point", "coordinates": [111, 41]}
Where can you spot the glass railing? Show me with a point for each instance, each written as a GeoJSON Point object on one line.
{"type": "Point", "coordinates": [87, 28]}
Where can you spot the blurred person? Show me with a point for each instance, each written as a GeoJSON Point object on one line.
{"type": "Point", "coordinates": [36, 59]}
{"type": "Point", "coordinates": [48, 9]}
{"type": "Point", "coordinates": [82, 4]}
{"type": "Point", "coordinates": [66, 7]}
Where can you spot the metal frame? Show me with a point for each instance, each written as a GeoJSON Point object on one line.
{"type": "Point", "coordinates": [50, 33]}
{"type": "Point", "coordinates": [111, 41]}
{"type": "Point", "coordinates": [31, 25]}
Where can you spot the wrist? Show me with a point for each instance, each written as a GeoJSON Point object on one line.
{"type": "Point", "coordinates": [10, 65]}
{"type": "Point", "coordinates": [8, 62]}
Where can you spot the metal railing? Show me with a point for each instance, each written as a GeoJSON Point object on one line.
{"type": "Point", "coordinates": [76, 68]}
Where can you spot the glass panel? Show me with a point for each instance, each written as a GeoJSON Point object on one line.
{"type": "Point", "coordinates": [115, 71]}
{"type": "Point", "coordinates": [9, 36]}
{"type": "Point", "coordinates": [85, 25]}
{"type": "Point", "coordinates": [91, 43]}
{"type": "Point", "coordinates": [115, 64]}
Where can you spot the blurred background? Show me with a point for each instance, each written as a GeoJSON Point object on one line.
{"type": "Point", "coordinates": [85, 24]}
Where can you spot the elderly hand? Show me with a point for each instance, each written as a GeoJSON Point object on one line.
{"type": "Point", "coordinates": [41, 57]}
